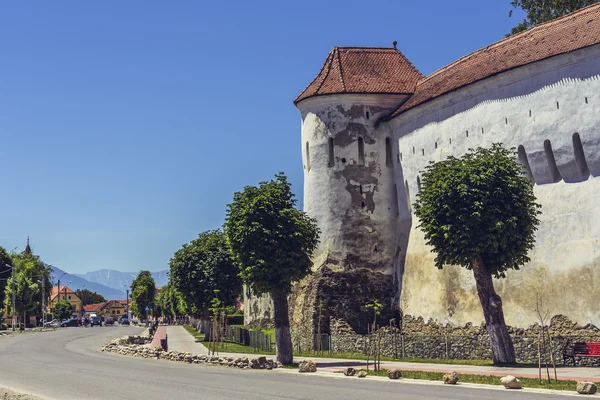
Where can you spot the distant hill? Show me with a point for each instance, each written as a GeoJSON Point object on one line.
{"type": "Point", "coordinates": [120, 280]}
{"type": "Point", "coordinates": [74, 282]}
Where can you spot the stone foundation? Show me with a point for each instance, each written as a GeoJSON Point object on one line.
{"type": "Point", "coordinates": [431, 340]}
{"type": "Point", "coordinates": [329, 294]}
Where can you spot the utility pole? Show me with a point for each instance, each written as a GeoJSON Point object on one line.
{"type": "Point", "coordinates": [43, 303]}
{"type": "Point", "coordinates": [127, 303]}
{"type": "Point", "coordinates": [13, 295]}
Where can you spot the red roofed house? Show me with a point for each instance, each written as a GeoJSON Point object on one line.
{"type": "Point", "coordinates": [110, 308]}
{"type": "Point", "coordinates": [371, 123]}
{"type": "Point", "coordinates": [65, 294]}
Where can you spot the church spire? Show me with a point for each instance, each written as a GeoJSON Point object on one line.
{"type": "Point", "coordinates": [27, 248]}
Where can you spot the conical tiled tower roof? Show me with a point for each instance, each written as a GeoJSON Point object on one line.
{"type": "Point", "coordinates": [363, 70]}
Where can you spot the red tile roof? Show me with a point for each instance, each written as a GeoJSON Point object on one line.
{"type": "Point", "coordinates": [63, 290]}
{"type": "Point", "coordinates": [363, 70]}
{"type": "Point", "coordinates": [105, 304]}
{"type": "Point", "coordinates": [93, 307]}
{"type": "Point", "coordinates": [568, 33]}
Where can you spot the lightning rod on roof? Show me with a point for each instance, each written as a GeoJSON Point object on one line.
{"type": "Point", "coordinates": [395, 43]}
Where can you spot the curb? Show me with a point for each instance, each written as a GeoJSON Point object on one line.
{"type": "Point", "coordinates": [439, 383]}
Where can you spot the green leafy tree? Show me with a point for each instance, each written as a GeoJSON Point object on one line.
{"type": "Point", "coordinates": [26, 292]}
{"type": "Point", "coordinates": [479, 212]}
{"type": "Point", "coordinates": [5, 271]}
{"type": "Point", "coordinates": [143, 293]}
{"type": "Point", "coordinates": [169, 302]}
{"type": "Point", "coordinates": [89, 297]}
{"type": "Point", "coordinates": [29, 272]}
{"type": "Point", "coordinates": [201, 267]}
{"type": "Point", "coordinates": [539, 11]}
{"type": "Point", "coordinates": [272, 243]}
{"type": "Point", "coordinates": [63, 310]}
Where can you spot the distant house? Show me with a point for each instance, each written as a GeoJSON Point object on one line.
{"type": "Point", "coordinates": [65, 294]}
{"type": "Point", "coordinates": [110, 308]}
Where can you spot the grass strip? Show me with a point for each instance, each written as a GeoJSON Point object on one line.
{"type": "Point", "coordinates": [530, 383]}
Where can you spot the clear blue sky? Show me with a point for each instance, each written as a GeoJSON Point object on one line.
{"type": "Point", "coordinates": [126, 126]}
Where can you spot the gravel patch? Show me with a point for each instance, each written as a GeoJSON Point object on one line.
{"type": "Point", "coordinates": [6, 394]}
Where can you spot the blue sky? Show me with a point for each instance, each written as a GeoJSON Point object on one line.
{"type": "Point", "coordinates": [126, 126]}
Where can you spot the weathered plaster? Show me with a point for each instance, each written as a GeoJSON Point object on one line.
{"type": "Point", "coordinates": [517, 108]}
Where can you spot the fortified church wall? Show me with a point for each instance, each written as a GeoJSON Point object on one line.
{"type": "Point", "coordinates": [550, 112]}
{"type": "Point", "coordinates": [371, 122]}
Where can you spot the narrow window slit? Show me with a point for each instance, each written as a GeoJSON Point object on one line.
{"type": "Point", "coordinates": [361, 151]}
{"type": "Point", "coordinates": [408, 196]}
{"type": "Point", "coordinates": [580, 156]}
{"type": "Point", "coordinates": [367, 115]}
{"type": "Point", "coordinates": [331, 155]}
{"type": "Point", "coordinates": [557, 106]}
{"type": "Point", "coordinates": [388, 152]}
{"type": "Point", "coordinates": [307, 157]}
{"type": "Point", "coordinates": [586, 100]}
{"type": "Point", "coordinates": [467, 133]}
{"type": "Point", "coordinates": [423, 151]}
{"type": "Point", "coordinates": [522, 157]}
{"type": "Point", "coordinates": [530, 113]}
{"type": "Point", "coordinates": [436, 145]}
{"type": "Point", "coordinates": [554, 172]}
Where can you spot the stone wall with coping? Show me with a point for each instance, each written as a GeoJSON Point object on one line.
{"type": "Point", "coordinates": [421, 339]}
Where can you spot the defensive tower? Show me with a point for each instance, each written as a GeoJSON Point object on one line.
{"type": "Point", "coordinates": [349, 188]}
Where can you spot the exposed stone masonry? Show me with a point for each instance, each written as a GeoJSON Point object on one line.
{"type": "Point", "coordinates": [431, 340]}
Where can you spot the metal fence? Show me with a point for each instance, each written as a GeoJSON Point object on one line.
{"type": "Point", "coordinates": [256, 339]}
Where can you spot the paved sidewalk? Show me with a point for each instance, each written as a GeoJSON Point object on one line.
{"type": "Point", "coordinates": [181, 340]}
{"type": "Point", "coordinates": [178, 339]}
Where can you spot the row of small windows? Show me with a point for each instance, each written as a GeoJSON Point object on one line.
{"type": "Point", "coordinates": [482, 130]}
{"type": "Point", "coordinates": [361, 153]}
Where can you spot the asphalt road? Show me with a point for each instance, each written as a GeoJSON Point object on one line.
{"type": "Point", "coordinates": [68, 364]}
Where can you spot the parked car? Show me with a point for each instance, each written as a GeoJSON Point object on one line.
{"type": "Point", "coordinates": [109, 321]}
{"type": "Point", "coordinates": [70, 322]}
{"type": "Point", "coordinates": [124, 321]}
{"type": "Point", "coordinates": [95, 320]}
{"type": "Point", "coordinates": [53, 323]}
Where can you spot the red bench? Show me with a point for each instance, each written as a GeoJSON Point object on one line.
{"type": "Point", "coordinates": [581, 350]}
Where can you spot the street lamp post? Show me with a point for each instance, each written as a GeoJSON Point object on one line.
{"type": "Point", "coordinates": [127, 303]}
{"type": "Point", "coordinates": [82, 300]}
{"type": "Point", "coordinates": [13, 295]}
{"type": "Point", "coordinates": [43, 312]}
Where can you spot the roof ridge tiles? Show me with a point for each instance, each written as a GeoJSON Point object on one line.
{"type": "Point", "coordinates": [509, 38]}
{"type": "Point", "coordinates": [562, 35]}
{"type": "Point", "coordinates": [341, 70]}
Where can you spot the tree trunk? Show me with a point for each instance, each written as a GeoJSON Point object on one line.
{"type": "Point", "coordinates": [502, 346]}
{"type": "Point", "coordinates": [283, 338]}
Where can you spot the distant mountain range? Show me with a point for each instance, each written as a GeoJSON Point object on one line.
{"type": "Point", "coordinates": [109, 283]}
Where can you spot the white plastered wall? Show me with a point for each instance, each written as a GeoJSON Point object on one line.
{"type": "Point", "coordinates": [548, 100]}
